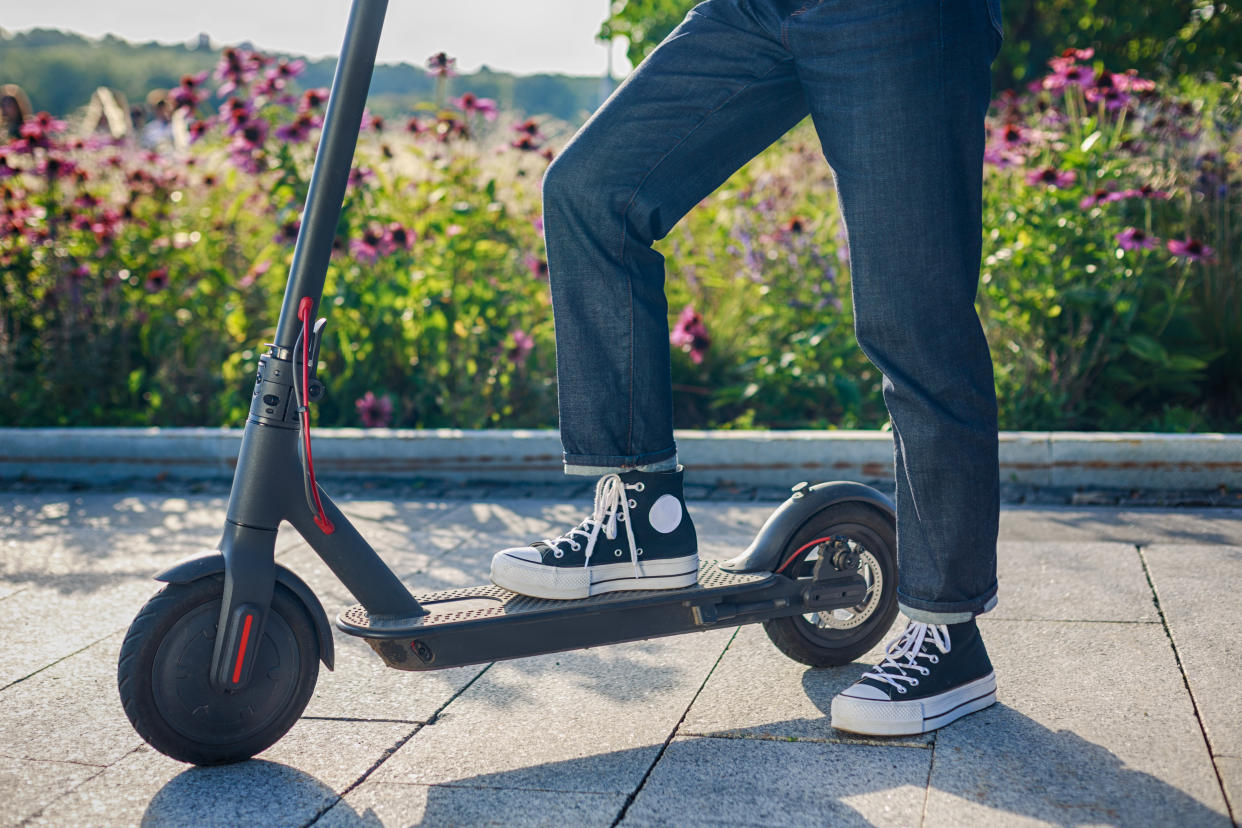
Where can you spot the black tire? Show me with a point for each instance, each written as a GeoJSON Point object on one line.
{"type": "Point", "coordinates": [813, 640]}
{"type": "Point", "coordinates": [163, 671]}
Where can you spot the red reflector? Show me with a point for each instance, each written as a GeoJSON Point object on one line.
{"type": "Point", "coordinates": [241, 649]}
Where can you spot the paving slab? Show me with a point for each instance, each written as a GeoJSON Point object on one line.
{"type": "Point", "coordinates": [26, 786]}
{"type": "Point", "coordinates": [758, 692]}
{"type": "Point", "coordinates": [704, 781]}
{"type": "Point", "coordinates": [1093, 726]}
{"type": "Point", "coordinates": [589, 721]}
{"type": "Point", "coordinates": [289, 784]}
{"type": "Point", "coordinates": [1199, 591]}
{"type": "Point", "coordinates": [69, 712]}
{"type": "Point", "coordinates": [1072, 582]}
{"type": "Point", "coordinates": [1133, 526]}
{"type": "Point", "coordinates": [373, 805]}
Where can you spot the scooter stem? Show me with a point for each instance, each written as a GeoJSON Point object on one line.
{"type": "Point", "coordinates": [337, 142]}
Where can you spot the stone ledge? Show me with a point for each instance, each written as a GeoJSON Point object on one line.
{"type": "Point", "coordinates": [740, 458]}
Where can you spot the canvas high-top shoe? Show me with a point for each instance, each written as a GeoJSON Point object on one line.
{"type": "Point", "coordinates": [639, 536]}
{"type": "Point", "coordinates": [930, 675]}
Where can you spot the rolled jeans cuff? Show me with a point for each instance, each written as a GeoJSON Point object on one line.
{"type": "Point", "coordinates": [595, 465]}
{"type": "Point", "coordinates": [939, 612]}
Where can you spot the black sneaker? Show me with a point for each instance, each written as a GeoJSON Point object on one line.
{"type": "Point", "coordinates": [638, 537]}
{"type": "Point", "coordinates": [931, 675]}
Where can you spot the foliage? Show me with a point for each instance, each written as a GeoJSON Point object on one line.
{"type": "Point", "coordinates": [1162, 40]}
{"type": "Point", "coordinates": [136, 287]}
{"type": "Point", "coordinates": [60, 70]}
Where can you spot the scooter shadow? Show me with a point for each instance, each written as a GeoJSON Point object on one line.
{"type": "Point", "coordinates": [255, 792]}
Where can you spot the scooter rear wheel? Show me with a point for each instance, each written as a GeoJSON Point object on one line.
{"type": "Point", "coordinates": [835, 637]}
{"type": "Point", "coordinates": [165, 662]}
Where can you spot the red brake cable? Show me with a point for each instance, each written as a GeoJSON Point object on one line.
{"type": "Point", "coordinates": [304, 314]}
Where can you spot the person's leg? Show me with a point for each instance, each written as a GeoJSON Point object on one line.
{"type": "Point", "coordinates": [718, 90]}
{"type": "Point", "coordinates": [898, 93]}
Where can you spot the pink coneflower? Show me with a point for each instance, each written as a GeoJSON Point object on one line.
{"type": "Point", "coordinates": [526, 143]}
{"type": "Point", "coordinates": [359, 176]}
{"type": "Point", "coordinates": [157, 280]}
{"type": "Point", "coordinates": [441, 65]}
{"type": "Point", "coordinates": [448, 127]}
{"type": "Point", "coordinates": [1131, 82]}
{"type": "Point", "coordinates": [522, 344]}
{"type": "Point", "coordinates": [1052, 177]}
{"type": "Point", "coordinates": [1001, 158]}
{"type": "Point", "coordinates": [253, 274]}
{"type": "Point", "coordinates": [537, 266]}
{"type": "Point", "coordinates": [1191, 249]}
{"type": "Point", "coordinates": [470, 104]}
{"type": "Point", "coordinates": [529, 127]}
{"type": "Point", "coordinates": [5, 170]}
{"type": "Point", "coordinates": [236, 69]}
{"type": "Point", "coordinates": [54, 168]}
{"type": "Point", "coordinates": [1146, 191]}
{"type": "Point", "coordinates": [1132, 238]}
{"type": "Point", "coordinates": [367, 248]}
{"type": "Point", "coordinates": [1067, 72]}
{"type": "Point", "coordinates": [189, 93]}
{"type": "Point", "coordinates": [1011, 136]}
{"type": "Point", "coordinates": [415, 126]}
{"type": "Point", "coordinates": [298, 130]}
{"type": "Point", "coordinates": [375, 412]}
{"type": "Point", "coordinates": [313, 99]}
{"type": "Point", "coordinates": [288, 233]}
{"type": "Point", "coordinates": [1106, 90]}
{"type": "Point", "coordinates": [396, 237]}
{"type": "Point", "coordinates": [690, 334]}
{"type": "Point", "coordinates": [235, 113]}
{"type": "Point", "coordinates": [1102, 195]}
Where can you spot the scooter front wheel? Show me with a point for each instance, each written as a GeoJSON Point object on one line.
{"type": "Point", "coordinates": [163, 676]}
{"type": "Point", "coordinates": [863, 538]}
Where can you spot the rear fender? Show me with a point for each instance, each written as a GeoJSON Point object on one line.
{"type": "Point", "coordinates": [764, 552]}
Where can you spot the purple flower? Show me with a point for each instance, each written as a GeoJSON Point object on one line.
{"type": "Point", "coordinates": [157, 280]}
{"type": "Point", "coordinates": [189, 94]}
{"type": "Point", "coordinates": [298, 130]}
{"type": "Point", "coordinates": [1133, 238]}
{"type": "Point", "coordinates": [367, 248]}
{"type": "Point", "coordinates": [1192, 249]}
{"type": "Point", "coordinates": [1067, 72]}
{"type": "Point", "coordinates": [1102, 195]}
{"type": "Point", "coordinates": [1057, 179]}
{"type": "Point", "coordinates": [469, 103]}
{"type": "Point", "coordinates": [441, 65]}
{"type": "Point", "coordinates": [313, 99]}
{"type": "Point", "coordinates": [1146, 191]}
{"type": "Point", "coordinates": [1105, 89]}
{"type": "Point", "coordinates": [690, 334]}
{"type": "Point", "coordinates": [537, 266]}
{"type": "Point", "coordinates": [396, 237]}
{"type": "Point", "coordinates": [375, 412]}
{"type": "Point", "coordinates": [522, 344]}
{"type": "Point", "coordinates": [359, 176]}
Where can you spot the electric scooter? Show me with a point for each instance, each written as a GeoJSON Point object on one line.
{"type": "Point", "coordinates": [221, 662]}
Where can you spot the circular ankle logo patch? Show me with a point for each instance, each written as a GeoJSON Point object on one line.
{"type": "Point", "coordinates": [665, 514]}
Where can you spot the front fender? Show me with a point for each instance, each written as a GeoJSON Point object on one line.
{"type": "Point", "coordinates": [764, 552]}
{"type": "Point", "coordinates": [212, 563]}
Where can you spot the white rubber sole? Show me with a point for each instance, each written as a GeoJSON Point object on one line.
{"type": "Point", "coordinates": [877, 717]}
{"type": "Point", "coordinates": [557, 582]}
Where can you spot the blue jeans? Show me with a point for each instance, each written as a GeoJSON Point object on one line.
{"type": "Point", "coordinates": [897, 90]}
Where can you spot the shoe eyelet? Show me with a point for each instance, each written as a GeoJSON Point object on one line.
{"type": "Point", "coordinates": [577, 547]}
{"type": "Point", "coordinates": [934, 659]}
{"type": "Point", "coordinates": [638, 487]}
{"type": "Point", "coordinates": [925, 672]}
{"type": "Point", "coordinates": [558, 553]}
{"type": "Point", "coordinates": [633, 503]}
{"type": "Point", "coordinates": [617, 552]}
{"type": "Point", "coordinates": [914, 682]}
{"type": "Point", "coordinates": [621, 517]}
{"type": "Point", "coordinates": [901, 690]}
{"type": "Point", "coordinates": [640, 551]}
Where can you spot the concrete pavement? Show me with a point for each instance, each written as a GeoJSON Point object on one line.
{"type": "Point", "coordinates": [1116, 643]}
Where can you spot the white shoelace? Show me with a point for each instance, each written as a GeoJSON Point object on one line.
{"type": "Point", "coordinates": [610, 501]}
{"type": "Point", "coordinates": [909, 645]}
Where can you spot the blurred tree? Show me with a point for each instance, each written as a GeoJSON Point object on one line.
{"type": "Point", "coordinates": [1160, 40]}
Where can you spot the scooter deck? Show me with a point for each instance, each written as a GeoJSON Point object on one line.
{"type": "Point", "coordinates": [485, 623]}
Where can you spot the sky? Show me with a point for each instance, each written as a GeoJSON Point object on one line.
{"type": "Point", "coordinates": [519, 36]}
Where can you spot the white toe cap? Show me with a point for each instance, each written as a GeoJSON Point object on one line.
{"type": "Point", "coordinates": [522, 553]}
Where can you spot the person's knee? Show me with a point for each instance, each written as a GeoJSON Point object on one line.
{"type": "Point", "coordinates": [567, 179]}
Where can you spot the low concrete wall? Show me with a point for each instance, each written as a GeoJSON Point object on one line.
{"type": "Point", "coordinates": [757, 458]}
